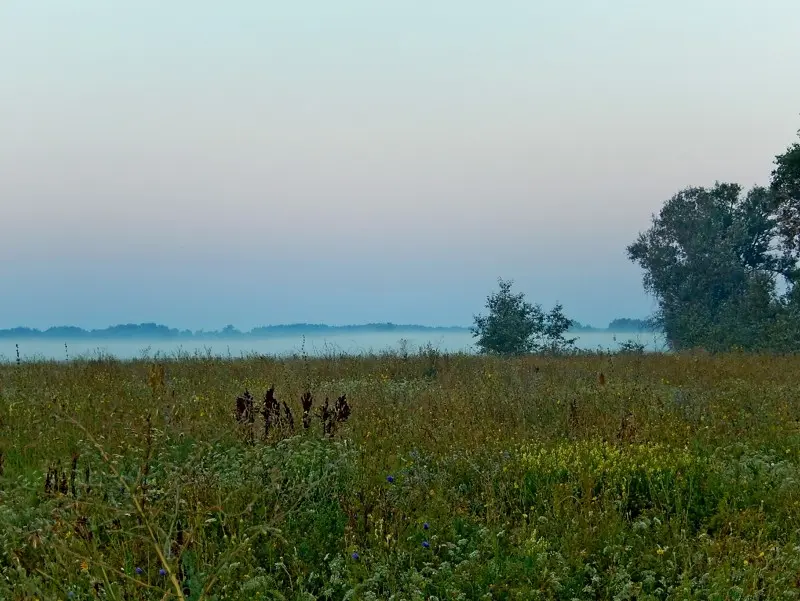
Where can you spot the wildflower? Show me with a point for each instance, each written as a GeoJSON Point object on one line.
{"type": "Point", "coordinates": [426, 544]}
{"type": "Point", "coordinates": [84, 566]}
{"type": "Point", "coordinates": [390, 479]}
{"type": "Point", "coordinates": [425, 526]}
{"type": "Point", "coordinates": [139, 571]}
{"type": "Point", "coordinates": [162, 572]}
{"type": "Point", "coordinates": [354, 556]}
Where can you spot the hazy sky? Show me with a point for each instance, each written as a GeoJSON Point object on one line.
{"type": "Point", "coordinates": [199, 163]}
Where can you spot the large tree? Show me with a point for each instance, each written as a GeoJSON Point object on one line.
{"type": "Point", "coordinates": [710, 258]}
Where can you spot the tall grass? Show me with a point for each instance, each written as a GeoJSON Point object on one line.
{"type": "Point", "coordinates": [449, 477]}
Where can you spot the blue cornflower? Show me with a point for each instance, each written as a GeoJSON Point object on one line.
{"type": "Point", "coordinates": [139, 571]}
{"type": "Point", "coordinates": [390, 479]}
{"type": "Point", "coordinates": [354, 556]}
{"type": "Point", "coordinates": [162, 572]}
{"type": "Point", "coordinates": [425, 526]}
{"type": "Point", "coordinates": [426, 544]}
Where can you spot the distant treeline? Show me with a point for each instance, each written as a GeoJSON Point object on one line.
{"type": "Point", "coordinates": [153, 331]}
{"type": "Point", "coordinates": [622, 324]}
{"type": "Point", "coordinates": [625, 324]}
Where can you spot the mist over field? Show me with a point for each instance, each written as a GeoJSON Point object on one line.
{"type": "Point", "coordinates": [362, 342]}
{"type": "Point", "coordinates": [146, 340]}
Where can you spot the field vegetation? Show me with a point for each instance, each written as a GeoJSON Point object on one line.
{"type": "Point", "coordinates": [622, 476]}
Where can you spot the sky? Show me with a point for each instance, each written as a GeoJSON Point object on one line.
{"type": "Point", "coordinates": [199, 163]}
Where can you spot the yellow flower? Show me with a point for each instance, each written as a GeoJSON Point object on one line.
{"type": "Point", "coordinates": [84, 566]}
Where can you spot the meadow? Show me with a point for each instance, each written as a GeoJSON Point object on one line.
{"type": "Point", "coordinates": [437, 476]}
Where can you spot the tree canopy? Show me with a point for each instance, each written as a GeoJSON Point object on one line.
{"type": "Point", "coordinates": [785, 185]}
{"type": "Point", "coordinates": [514, 326]}
{"type": "Point", "coordinates": [722, 263]}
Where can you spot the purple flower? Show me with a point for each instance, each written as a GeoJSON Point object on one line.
{"type": "Point", "coordinates": [354, 556]}
{"type": "Point", "coordinates": [390, 479]}
{"type": "Point", "coordinates": [426, 544]}
{"type": "Point", "coordinates": [162, 572]}
{"type": "Point", "coordinates": [139, 571]}
{"type": "Point", "coordinates": [425, 526]}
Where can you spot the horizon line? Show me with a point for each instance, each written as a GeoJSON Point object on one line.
{"type": "Point", "coordinates": [230, 329]}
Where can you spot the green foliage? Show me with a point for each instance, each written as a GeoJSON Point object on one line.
{"type": "Point", "coordinates": [631, 346]}
{"type": "Point", "coordinates": [785, 183]}
{"type": "Point", "coordinates": [709, 258]}
{"type": "Point", "coordinates": [723, 264]}
{"type": "Point", "coordinates": [514, 326]}
{"type": "Point", "coordinates": [673, 476]}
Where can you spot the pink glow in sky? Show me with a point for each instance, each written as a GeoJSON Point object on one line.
{"type": "Point", "coordinates": [351, 162]}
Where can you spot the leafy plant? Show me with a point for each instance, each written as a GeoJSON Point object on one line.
{"type": "Point", "coordinates": [514, 326]}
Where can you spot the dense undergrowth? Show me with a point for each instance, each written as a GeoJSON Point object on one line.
{"type": "Point", "coordinates": [454, 477]}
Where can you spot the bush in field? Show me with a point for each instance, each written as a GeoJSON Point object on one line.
{"type": "Point", "coordinates": [516, 327]}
